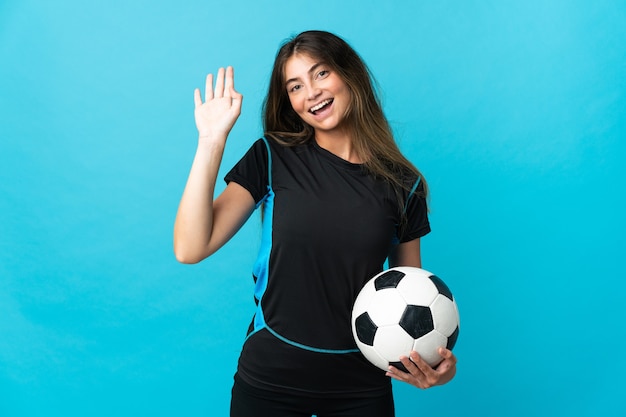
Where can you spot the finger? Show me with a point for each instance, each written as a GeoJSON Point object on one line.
{"type": "Point", "coordinates": [237, 98]}
{"type": "Point", "coordinates": [197, 98]}
{"type": "Point", "coordinates": [410, 370]}
{"type": "Point", "coordinates": [229, 83]}
{"type": "Point", "coordinates": [219, 84]}
{"type": "Point", "coordinates": [421, 364]}
{"type": "Point", "coordinates": [398, 374]}
{"type": "Point", "coordinates": [447, 355]}
{"type": "Point", "coordinates": [411, 366]}
{"type": "Point", "coordinates": [208, 88]}
{"type": "Point", "coordinates": [415, 377]}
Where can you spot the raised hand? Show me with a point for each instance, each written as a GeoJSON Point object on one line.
{"type": "Point", "coordinates": [216, 116]}
{"type": "Point", "coordinates": [203, 226]}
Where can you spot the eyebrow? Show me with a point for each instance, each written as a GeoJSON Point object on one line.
{"type": "Point", "coordinates": [311, 70]}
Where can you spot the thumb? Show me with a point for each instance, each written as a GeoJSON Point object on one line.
{"type": "Point", "coordinates": [237, 99]}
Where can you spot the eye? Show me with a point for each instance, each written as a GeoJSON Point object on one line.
{"type": "Point", "coordinates": [294, 87]}
{"type": "Point", "coordinates": [323, 73]}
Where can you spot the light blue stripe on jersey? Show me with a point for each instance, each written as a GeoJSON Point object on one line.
{"type": "Point", "coordinates": [305, 347]}
{"type": "Point", "coordinates": [413, 189]}
{"type": "Point", "coordinates": [396, 240]}
{"type": "Point", "coordinates": [261, 266]}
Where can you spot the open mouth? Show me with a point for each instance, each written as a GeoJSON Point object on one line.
{"type": "Point", "coordinates": [320, 106]}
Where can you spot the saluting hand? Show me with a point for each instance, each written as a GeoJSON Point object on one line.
{"type": "Point", "coordinates": [216, 116]}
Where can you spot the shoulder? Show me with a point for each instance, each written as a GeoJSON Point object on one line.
{"type": "Point", "coordinates": [277, 141]}
{"type": "Point", "coordinates": [412, 182]}
{"type": "Point", "coordinates": [285, 148]}
{"type": "Point", "coordinates": [265, 146]}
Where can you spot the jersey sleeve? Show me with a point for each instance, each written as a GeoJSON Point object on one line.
{"type": "Point", "coordinates": [416, 212]}
{"type": "Point", "coordinates": [251, 172]}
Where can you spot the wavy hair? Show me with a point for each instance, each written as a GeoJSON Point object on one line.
{"type": "Point", "coordinates": [365, 121]}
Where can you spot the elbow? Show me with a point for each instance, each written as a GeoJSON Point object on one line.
{"type": "Point", "coordinates": [185, 259]}
{"type": "Point", "coordinates": [186, 256]}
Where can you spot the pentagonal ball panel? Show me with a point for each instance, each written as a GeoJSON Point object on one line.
{"type": "Point", "coordinates": [417, 321]}
{"type": "Point", "coordinates": [365, 329]}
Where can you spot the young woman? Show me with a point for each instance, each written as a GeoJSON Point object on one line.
{"type": "Point", "coordinates": [338, 199]}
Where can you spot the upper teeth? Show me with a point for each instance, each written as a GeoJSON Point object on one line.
{"type": "Point", "coordinates": [320, 105]}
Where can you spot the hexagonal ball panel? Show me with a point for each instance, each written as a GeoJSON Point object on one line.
{"type": "Point", "coordinates": [386, 307]}
{"type": "Point", "coordinates": [428, 345]}
{"type": "Point", "coordinates": [371, 355]}
{"type": "Point", "coordinates": [391, 342]}
{"type": "Point", "coordinates": [418, 290]}
{"type": "Point", "coordinates": [445, 315]}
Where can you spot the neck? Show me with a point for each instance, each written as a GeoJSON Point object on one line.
{"type": "Point", "coordinates": [339, 144]}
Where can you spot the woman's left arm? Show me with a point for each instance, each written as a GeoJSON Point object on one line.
{"type": "Point", "coordinates": [420, 373]}
{"type": "Point", "coordinates": [406, 254]}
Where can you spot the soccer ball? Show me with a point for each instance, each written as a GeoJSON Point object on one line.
{"type": "Point", "coordinates": [403, 309]}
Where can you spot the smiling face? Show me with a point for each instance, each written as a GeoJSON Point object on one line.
{"type": "Point", "coordinates": [316, 93]}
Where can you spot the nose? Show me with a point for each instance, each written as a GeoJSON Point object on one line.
{"type": "Point", "coordinates": [313, 92]}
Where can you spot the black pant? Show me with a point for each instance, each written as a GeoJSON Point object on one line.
{"type": "Point", "coordinates": [248, 401]}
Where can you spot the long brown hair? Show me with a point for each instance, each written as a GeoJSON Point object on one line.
{"type": "Point", "coordinates": [367, 125]}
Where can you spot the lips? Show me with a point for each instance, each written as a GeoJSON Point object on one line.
{"type": "Point", "coordinates": [319, 106]}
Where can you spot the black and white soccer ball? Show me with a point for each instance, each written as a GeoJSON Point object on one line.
{"type": "Point", "coordinates": [404, 309]}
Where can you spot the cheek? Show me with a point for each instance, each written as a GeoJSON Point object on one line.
{"type": "Point", "coordinates": [294, 103]}
{"type": "Point", "coordinates": [346, 102]}
{"type": "Point", "coordinates": [299, 107]}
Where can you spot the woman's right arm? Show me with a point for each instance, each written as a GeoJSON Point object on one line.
{"type": "Point", "coordinates": [203, 224]}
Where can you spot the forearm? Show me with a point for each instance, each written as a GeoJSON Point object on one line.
{"type": "Point", "coordinates": [194, 220]}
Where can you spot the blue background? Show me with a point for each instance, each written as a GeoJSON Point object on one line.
{"type": "Point", "coordinates": [514, 110]}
